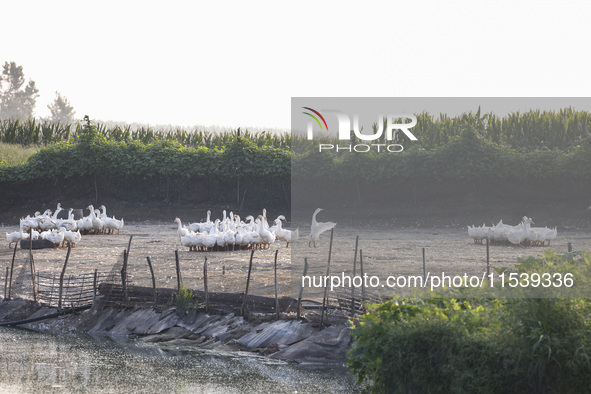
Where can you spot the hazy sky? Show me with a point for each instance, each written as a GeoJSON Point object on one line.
{"type": "Point", "coordinates": [239, 63]}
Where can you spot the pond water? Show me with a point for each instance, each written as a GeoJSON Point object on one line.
{"type": "Point", "coordinates": [46, 363]}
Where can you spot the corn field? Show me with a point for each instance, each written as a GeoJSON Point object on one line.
{"type": "Point", "coordinates": [32, 132]}
{"type": "Point", "coordinates": [524, 131]}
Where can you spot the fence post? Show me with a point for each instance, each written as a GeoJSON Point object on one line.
{"type": "Point", "coordinates": [327, 275]}
{"type": "Point", "coordinates": [124, 277]}
{"type": "Point", "coordinates": [129, 244]}
{"type": "Point", "coordinates": [424, 268]}
{"type": "Point", "coordinates": [6, 283]}
{"type": "Point", "coordinates": [487, 259]}
{"type": "Point", "coordinates": [354, 272]}
{"type": "Point", "coordinates": [11, 271]}
{"type": "Point", "coordinates": [276, 299]}
{"type": "Point", "coordinates": [59, 301]}
{"type": "Point", "coordinates": [32, 261]}
{"type": "Point", "coordinates": [302, 287]}
{"type": "Point", "coordinates": [205, 285]}
{"type": "Point", "coordinates": [178, 270]}
{"type": "Point", "coordinates": [153, 281]}
{"type": "Point", "coordinates": [94, 286]}
{"type": "Point", "coordinates": [247, 283]}
{"type": "Point", "coordinates": [362, 275]}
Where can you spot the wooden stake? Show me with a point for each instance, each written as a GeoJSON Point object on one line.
{"type": "Point", "coordinates": [354, 272]}
{"type": "Point", "coordinates": [129, 244]}
{"type": "Point", "coordinates": [6, 283]}
{"type": "Point", "coordinates": [153, 281]}
{"type": "Point", "coordinates": [32, 263]}
{"type": "Point", "coordinates": [327, 275]}
{"type": "Point", "coordinates": [362, 275]}
{"type": "Point", "coordinates": [276, 299]}
{"type": "Point", "coordinates": [247, 282]}
{"type": "Point", "coordinates": [59, 301]}
{"type": "Point", "coordinates": [178, 270]}
{"type": "Point", "coordinates": [94, 286]}
{"type": "Point", "coordinates": [11, 271]}
{"type": "Point", "coordinates": [424, 267]}
{"type": "Point", "coordinates": [124, 276]}
{"type": "Point", "coordinates": [487, 259]}
{"type": "Point", "coordinates": [205, 285]}
{"type": "Point", "coordinates": [302, 287]}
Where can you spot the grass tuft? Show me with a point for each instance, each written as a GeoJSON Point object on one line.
{"type": "Point", "coordinates": [13, 154]}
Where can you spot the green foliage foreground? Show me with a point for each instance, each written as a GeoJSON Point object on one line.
{"type": "Point", "coordinates": [483, 345]}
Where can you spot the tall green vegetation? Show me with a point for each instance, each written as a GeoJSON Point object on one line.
{"type": "Point", "coordinates": [12, 154]}
{"type": "Point", "coordinates": [529, 131]}
{"type": "Point", "coordinates": [456, 154]}
{"type": "Point", "coordinates": [33, 132]}
{"type": "Point", "coordinates": [163, 170]}
{"type": "Point", "coordinates": [484, 345]}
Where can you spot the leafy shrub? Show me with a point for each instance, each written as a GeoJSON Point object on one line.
{"type": "Point", "coordinates": [185, 301]}
{"type": "Point", "coordinates": [450, 345]}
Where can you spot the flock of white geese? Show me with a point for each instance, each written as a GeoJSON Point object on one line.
{"type": "Point", "coordinates": [59, 231]}
{"type": "Point", "coordinates": [227, 233]}
{"type": "Point", "coordinates": [231, 233]}
{"type": "Point", "coordinates": [521, 234]}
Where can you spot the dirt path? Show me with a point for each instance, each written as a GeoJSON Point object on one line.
{"type": "Point", "coordinates": [386, 251]}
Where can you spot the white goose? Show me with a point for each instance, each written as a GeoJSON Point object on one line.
{"type": "Point", "coordinates": [97, 224]}
{"type": "Point", "coordinates": [267, 237]}
{"type": "Point", "coordinates": [45, 221]}
{"type": "Point", "coordinates": [193, 241]}
{"type": "Point", "coordinates": [285, 235]}
{"type": "Point", "coordinates": [318, 228]}
{"type": "Point", "coordinates": [111, 224]}
{"type": "Point", "coordinates": [543, 234]}
{"type": "Point", "coordinates": [70, 224]}
{"type": "Point", "coordinates": [240, 238]}
{"type": "Point", "coordinates": [521, 234]}
{"type": "Point", "coordinates": [182, 231]}
{"type": "Point", "coordinates": [273, 228]}
{"type": "Point", "coordinates": [84, 224]}
{"type": "Point", "coordinates": [56, 237]}
{"type": "Point", "coordinates": [30, 222]}
{"type": "Point", "coordinates": [202, 227]}
{"type": "Point", "coordinates": [210, 239]}
{"type": "Point", "coordinates": [229, 236]}
{"type": "Point", "coordinates": [251, 224]}
{"type": "Point", "coordinates": [57, 211]}
{"type": "Point", "coordinates": [221, 238]}
{"type": "Point", "coordinates": [16, 236]}
{"type": "Point", "coordinates": [71, 237]}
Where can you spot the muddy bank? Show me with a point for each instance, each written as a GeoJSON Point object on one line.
{"type": "Point", "coordinates": [292, 340]}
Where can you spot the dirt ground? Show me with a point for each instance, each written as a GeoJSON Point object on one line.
{"type": "Point", "coordinates": [387, 250]}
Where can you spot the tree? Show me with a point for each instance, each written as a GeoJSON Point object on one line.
{"type": "Point", "coordinates": [17, 100]}
{"type": "Point", "coordinates": [61, 110]}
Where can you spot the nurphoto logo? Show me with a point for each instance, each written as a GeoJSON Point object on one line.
{"type": "Point", "coordinates": [388, 124]}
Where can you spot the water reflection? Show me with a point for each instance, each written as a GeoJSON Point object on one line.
{"type": "Point", "coordinates": [39, 362]}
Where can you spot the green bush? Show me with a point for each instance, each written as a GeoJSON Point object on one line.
{"type": "Point", "coordinates": [450, 345]}
{"type": "Point", "coordinates": [465, 157]}
{"type": "Point", "coordinates": [185, 301]}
